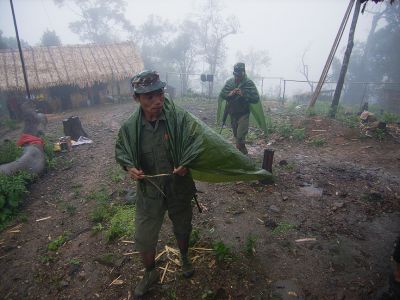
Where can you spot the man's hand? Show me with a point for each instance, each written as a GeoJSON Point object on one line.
{"type": "Point", "coordinates": [235, 91]}
{"type": "Point", "coordinates": [135, 173]}
{"type": "Point", "coordinates": [231, 93]}
{"type": "Point", "coordinates": [181, 171]}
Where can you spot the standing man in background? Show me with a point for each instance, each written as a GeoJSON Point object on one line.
{"type": "Point", "coordinates": [239, 92]}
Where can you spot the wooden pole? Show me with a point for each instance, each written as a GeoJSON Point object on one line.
{"type": "Point", "coordinates": [346, 59]}
{"type": "Point", "coordinates": [331, 55]}
{"type": "Point", "coordinates": [28, 93]}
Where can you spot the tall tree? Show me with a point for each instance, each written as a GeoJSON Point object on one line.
{"type": "Point", "coordinates": [50, 38]}
{"type": "Point", "coordinates": [255, 61]}
{"type": "Point", "coordinates": [183, 50]}
{"type": "Point", "coordinates": [346, 59]}
{"type": "Point", "coordinates": [214, 29]}
{"type": "Point", "coordinates": [304, 71]}
{"type": "Point", "coordinates": [152, 37]}
{"type": "Point", "coordinates": [100, 20]}
{"type": "Point", "coordinates": [377, 59]}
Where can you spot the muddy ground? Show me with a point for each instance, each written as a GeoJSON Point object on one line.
{"type": "Point", "coordinates": [342, 194]}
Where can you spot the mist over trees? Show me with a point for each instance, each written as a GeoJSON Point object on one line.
{"type": "Point", "coordinates": [255, 60]}
{"type": "Point", "coordinates": [50, 38]}
{"type": "Point", "coordinates": [377, 59]}
{"type": "Point", "coordinates": [11, 42]}
{"type": "Point", "coordinates": [99, 21]}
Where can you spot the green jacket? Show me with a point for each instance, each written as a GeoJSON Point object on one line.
{"type": "Point", "coordinates": [192, 144]}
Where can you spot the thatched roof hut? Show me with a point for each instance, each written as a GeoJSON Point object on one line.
{"type": "Point", "coordinates": [68, 65]}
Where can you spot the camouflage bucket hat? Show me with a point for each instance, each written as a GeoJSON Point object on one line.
{"type": "Point", "coordinates": [146, 82]}
{"type": "Point", "coordinates": [238, 68]}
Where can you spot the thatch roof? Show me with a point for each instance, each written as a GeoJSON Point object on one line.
{"type": "Point", "coordinates": [76, 65]}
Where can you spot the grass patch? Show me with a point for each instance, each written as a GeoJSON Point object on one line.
{"type": "Point", "coordinates": [101, 196]}
{"type": "Point", "coordinates": [122, 223]}
{"type": "Point", "coordinates": [102, 213]}
{"type": "Point", "coordinates": [318, 142]}
{"type": "Point", "coordinates": [117, 175]}
{"type": "Point", "coordinates": [74, 261]}
{"type": "Point", "coordinates": [282, 228]}
{"type": "Point", "coordinates": [10, 124]}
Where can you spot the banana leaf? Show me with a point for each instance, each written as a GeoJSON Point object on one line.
{"type": "Point", "coordinates": [193, 144]}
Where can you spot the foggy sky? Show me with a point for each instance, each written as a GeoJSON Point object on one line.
{"type": "Point", "coordinates": [284, 28]}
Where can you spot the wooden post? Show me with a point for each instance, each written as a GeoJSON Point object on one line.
{"type": "Point", "coordinates": [28, 93]}
{"type": "Point", "coordinates": [267, 164]}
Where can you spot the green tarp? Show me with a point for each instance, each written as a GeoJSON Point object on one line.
{"type": "Point", "coordinates": [193, 144]}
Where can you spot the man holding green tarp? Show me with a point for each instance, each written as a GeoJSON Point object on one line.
{"type": "Point", "coordinates": [164, 148]}
{"type": "Point", "coordinates": [241, 96]}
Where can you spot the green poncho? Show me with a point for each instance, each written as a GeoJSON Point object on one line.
{"type": "Point", "coordinates": [250, 93]}
{"type": "Point", "coordinates": [193, 144]}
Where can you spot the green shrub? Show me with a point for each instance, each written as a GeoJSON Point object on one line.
{"type": "Point", "coordinates": [285, 129]}
{"type": "Point", "coordinates": [379, 133]}
{"type": "Point", "coordinates": [12, 190]}
{"type": "Point", "coordinates": [388, 117]}
{"type": "Point", "coordinates": [55, 244]}
{"type": "Point", "coordinates": [102, 213]}
{"type": "Point", "coordinates": [299, 134]}
{"type": "Point", "coordinates": [222, 252]}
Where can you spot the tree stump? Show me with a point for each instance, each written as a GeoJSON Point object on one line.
{"type": "Point", "coordinates": [73, 128]}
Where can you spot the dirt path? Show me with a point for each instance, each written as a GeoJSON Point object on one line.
{"type": "Point", "coordinates": [344, 194]}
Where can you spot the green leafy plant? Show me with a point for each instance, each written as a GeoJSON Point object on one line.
{"type": "Point", "coordinates": [55, 244]}
{"type": "Point", "coordinates": [12, 190]}
{"type": "Point", "coordinates": [44, 259]}
{"type": "Point", "coordinates": [51, 159]}
{"type": "Point", "coordinates": [97, 228]}
{"type": "Point", "coordinates": [9, 152]}
{"type": "Point", "coordinates": [222, 252]}
{"type": "Point", "coordinates": [379, 133]}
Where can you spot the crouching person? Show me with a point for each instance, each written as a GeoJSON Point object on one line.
{"type": "Point", "coordinates": [143, 150]}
